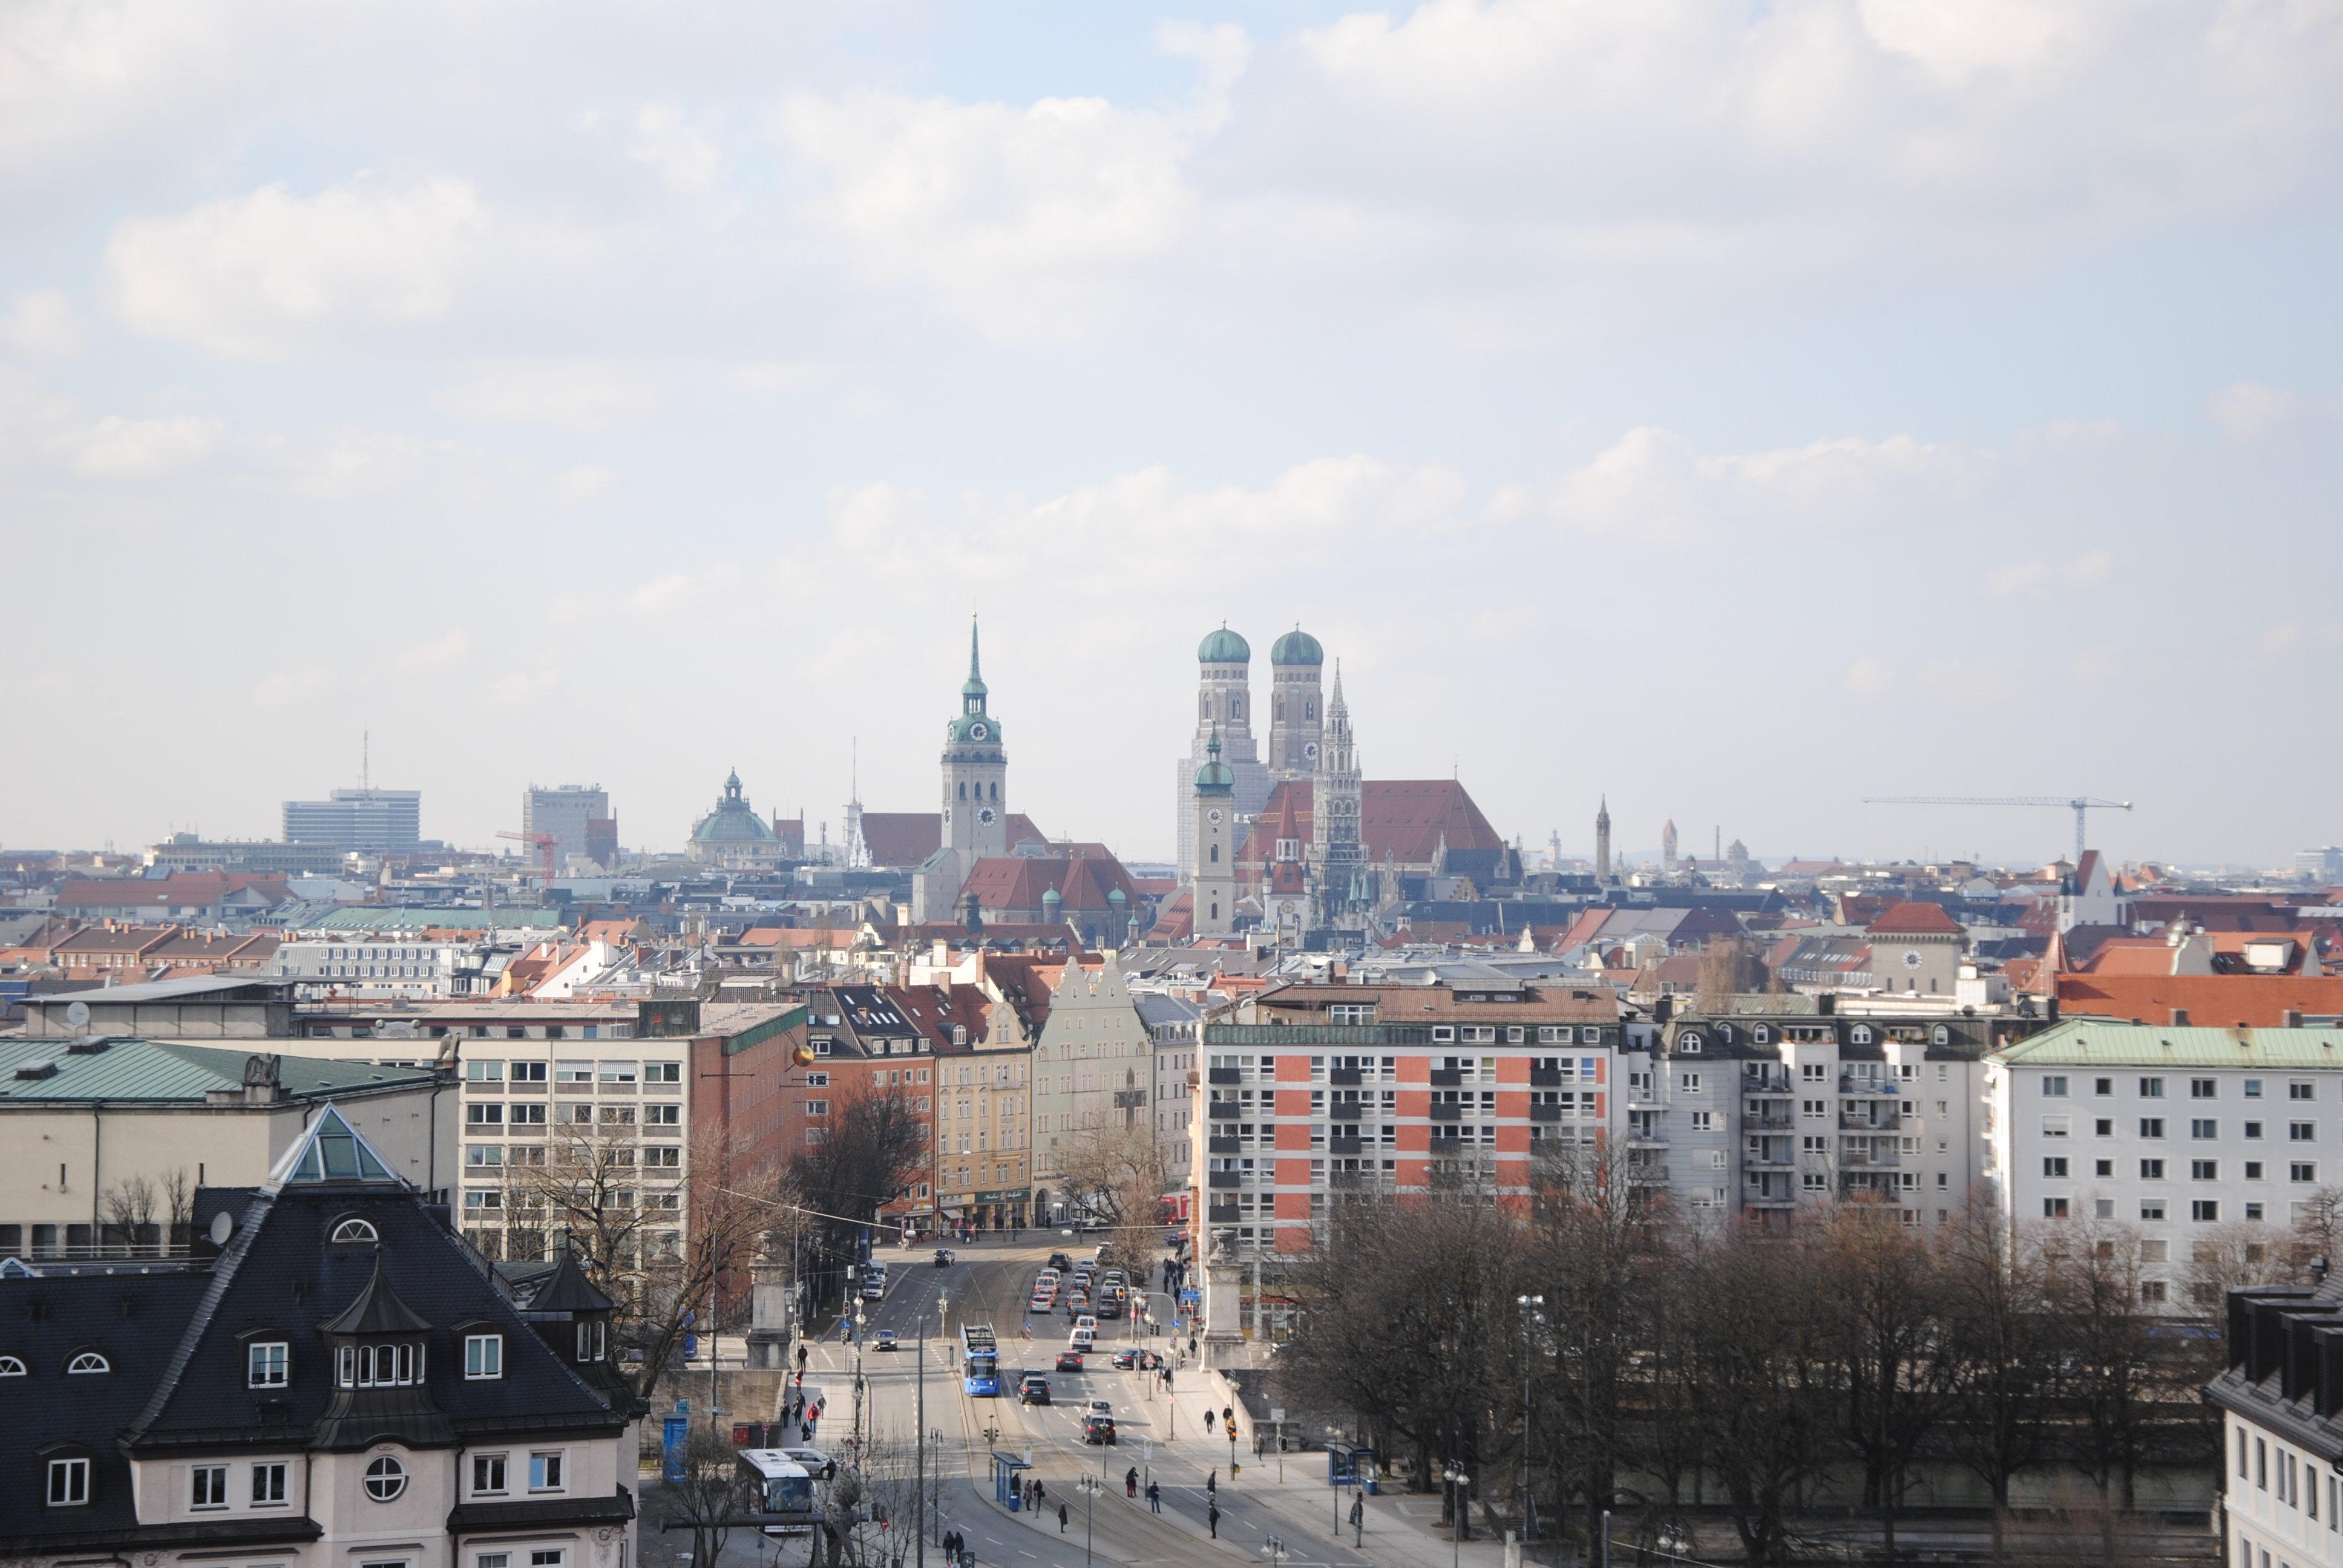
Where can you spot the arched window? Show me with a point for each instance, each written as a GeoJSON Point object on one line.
{"type": "Point", "coordinates": [996, 790]}
{"type": "Point", "coordinates": [1940, 1035]}
{"type": "Point", "coordinates": [1216, 908]}
{"type": "Point", "coordinates": [1236, 708]}
{"type": "Point", "coordinates": [1310, 709]}
{"type": "Point", "coordinates": [963, 789]}
{"type": "Point", "coordinates": [88, 1362]}
{"type": "Point", "coordinates": [1216, 854]}
{"type": "Point", "coordinates": [385, 1478]}
{"type": "Point", "coordinates": [354, 1233]}
{"type": "Point", "coordinates": [1862, 1035]}
{"type": "Point", "coordinates": [11, 1367]}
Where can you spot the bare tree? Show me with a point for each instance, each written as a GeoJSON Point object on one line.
{"type": "Point", "coordinates": [1117, 1175]}
{"type": "Point", "coordinates": [2095, 1292]}
{"type": "Point", "coordinates": [871, 1156]}
{"type": "Point", "coordinates": [1996, 1307]}
{"type": "Point", "coordinates": [712, 1498]}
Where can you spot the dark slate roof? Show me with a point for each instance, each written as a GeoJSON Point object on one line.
{"type": "Point", "coordinates": [129, 1317]}
{"type": "Point", "coordinates": [377, 1310]}
{"type": "Point", "coordinates": [567, 1289]}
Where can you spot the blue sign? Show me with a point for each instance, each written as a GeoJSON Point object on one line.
{"type": "Point", "coordinates": [691, 1346]}
{"type": "Point", "coordinates": [676, 1431]}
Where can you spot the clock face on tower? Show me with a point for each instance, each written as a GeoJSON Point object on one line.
{"type": "Point", "coordinates": [1911, 960]}
{"type": "Point", "coordinates": [979, 731]}
{"type": "Point", "coordinates": [985, 815]}
{"type": "Point", "coordinates": [1214, 815]}
{"type": "Point", "coordinates": [1310, 751]}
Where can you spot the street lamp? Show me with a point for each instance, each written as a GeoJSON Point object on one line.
{"type": "Point", "coordinates": [1091, 1488]}
{"type": "Point", "coordinates": [1457, 1480]}
{"type": "Point", "coordinates": [1533, 1314]}
{"type": "Point", "coordinates": [859, 1322]}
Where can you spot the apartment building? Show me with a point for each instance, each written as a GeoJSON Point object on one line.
{"type": "Point", "coordinates": [1093, 1073]}
{"type": "Point", "coordinates": [865, 1040]}
{"type": "Point", "coordinates": [383, 967]}
{"type": "Point", "coordinates": [984, 1147]}
{"type": "Point", "coordinates": [1175, 1030]}
{"type": "Point", "coordinates": [2188, 1137]}
{"type": "Point", "coordinates": [1787, 1101]}
{"type": "Point", "coordinates": [2281, 1404]}
{"type": "Point", "coordinates": [1312, 1090]}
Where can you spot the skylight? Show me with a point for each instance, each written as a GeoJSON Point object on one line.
{"type": "Point", "coordinates": [329, 1150]}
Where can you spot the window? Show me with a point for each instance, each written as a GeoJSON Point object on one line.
{"type": "Point", "coordinates": [2253, 1090]}
{"type": "Point", "coordinates": [573, 1072]}
{"type": "Point", "coordinates": [210, 1486]}
{"type": "Point", "coordinates": [484, 1155]}
{"type": "Point", "coordinates": [2203, 1088]}
{"type": "Point", "coordinates": [1690, 1082]}
{"type": "Point", "coordinates": [385, 1478]}
{"type": "Point", "coordinates": [483, 1356]}
{"type": "Point", "coordinates": [2204, 1127]}
{"type": "Point", "coordinates": [2103, 1167]}
{"type": "Point", "coordinates": [2055, 1126]}
{"type": "Point", "coordinates": [2151, 1209]}
{"type": "Point", "coordinates": [2301, 1171]}
{"type": "Point", "coordinates": [2204, 1170]}
{"type": "Point", "coordinates": [268, 1483]}
{"type": "Point", "coordinates": [477, 1070]}
{"type": "Point", "coordinates": [10, 1366]}
{"type": "Point", "coordinates": [544, 1557]}
{"type": "Point", "coordinates": [2055, 1166]}
{"type": "Point", "coordinates": [817, 1107]}
{"type": "Point", "coordinates": [2151, 1088]}
{"type": "Point", "coordinates": [2104, 1126]}
{"type": "Point", "coordinates": [2152, 1292]}
{"type": "Point", "coordinates": [2151, 1127]}
{"type": "Point", "coordinates": [545, 1472]}
{"type": "Point", "coordinates": [1704, 1122]}
{"type": "Point", "coordinates": [484, 1116]}
{"type": "Point", "coordinates": [663, 1158]}
{"type": "Point", "coordinates": [265, 1364]}
{"type": "Point", "coordinates": [2253, 1130]}
{"type": "Point", "coordinates": [2302, 1131]}
{"type": "Point", "coordinates": [2054, 1087]}
{"type": "Point", "coordinates": [620, 1071]}
{"type": "Point", "coordinates": [2204, 1210]}
{"type": "Point", "coordinates": [487, 1472]}
{"type": "Point", "coordinates": [2053, 1208]}
{"type": "Point", "coordinates": [87, 1362]}
{"type": "Point", "coordinates": [381, 1366]}
{"type": "Point", "coordinates": [528, 1116]}
{"type": "Point", "coordinates": [2302, 1089]}
{"type": "Point", "coordinates": [68, 1483]}
{"type": "Point", "coordinates": [2151, 1170]}
{"type": "Point", "coordinates": [2102, 1086]}
{"type": "Point", "coordinates": [592, 1339]}
{"type": "Point", "coordinates": [662, 1115]}
{"type": "Point", "coordinates": [2253, 1169]}
{"type": "Point", "coordinates": [662, 1072]}
{"type": "Point", "coordinates": [528, 1073]}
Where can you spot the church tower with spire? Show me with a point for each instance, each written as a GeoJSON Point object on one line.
{"type": "Point", "coordinates": [1603, 842]}
{"type": "Point", "coordinates": [1223, 710]}
{"type": "Point", "coordinates": [1214, 884]}
{"type": "Point", "coordinates": [975, 823]}
{"type": "Point", "coordinates": [1337, 851]}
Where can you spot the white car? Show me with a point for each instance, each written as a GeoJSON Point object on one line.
{"type": "Point", "coordinates": [1081, 1339]}
{"type": "Point", "coordinates": [1101, 1407]}
{"type": "Point", "coordinates": [816, 1463]}
{"type": "Point", "coordinates": [1087, 1322]}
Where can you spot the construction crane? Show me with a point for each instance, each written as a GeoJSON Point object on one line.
{"type": "Point", "coordinates": [2080, 805]}
{"type": "Point", "coordinates": [545, 844]}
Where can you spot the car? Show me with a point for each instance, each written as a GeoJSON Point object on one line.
{"type": "Point", "coordinates": [1126, 1360]}
{"type": "Point", "coordinates": [1033, 1390]}
{"type": "Point", "coordinates": [1039, 1304]}
{"type": "Point", "coordinates": [946, 1257]}
{"type": "Point", "coordinates": [1069, 1361]}
{"type": "Point", "coordinates": [1101, 1407]}
{"type": "Point", "coordinates": [1082, 1339]}
{"type": "Point", "coordinates": [882, 1339]}
{"type": "Point", "coordinates": [1059, 1263]}
{"type": "Point", "coordinates": [1086, 1321]}
{"type": "Point", "coordinates": [1098, 1429]}
{"type": "Point", "coordinates": [815, 1461]}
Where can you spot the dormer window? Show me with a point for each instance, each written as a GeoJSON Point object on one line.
{"type": "Point", "coordinates": [267, 1363]}
{"type": "Point", "coordinates": [395, 1365]}
{"type": "Point", "coordinates": [11, 1366]}
{"type": "Point", "coordinates": [87, 1362]}
{"type": "Point", "coordinates": [593, 1340]}
{"type": "Point", "coordinates": [483, 1356]}
{"type": "Point", "coordinates": [354, 1233]}
{"type": "Point", "coordinates": [68, 1482]}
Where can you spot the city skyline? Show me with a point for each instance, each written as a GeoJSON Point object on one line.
{"type": "Point", "coordinates": [1914, 416]}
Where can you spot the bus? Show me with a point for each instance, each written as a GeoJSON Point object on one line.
{"type": "Point", "coordinates": [980, 1362]}
{"type": "Point", "coordinates": [779, 1491]}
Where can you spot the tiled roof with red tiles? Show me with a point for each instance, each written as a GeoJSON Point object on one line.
{"type": "Point", "coordinates": [1082, 883]}
{"type": "Point", "coordinates": [2212, 1001]}
{"type": "Point", "coordinates": [1404, 819]}
{"type": "Point", "coordinates": [179, 890]}
{"type": "Point", "coordinates": [1175, 921]}
{"type": "Point", "coordinates": [908, 838]}
{"type": "Point", "coordinates": [937, 1010]}
{"type": "Point", "coordinates": [1914, 920]}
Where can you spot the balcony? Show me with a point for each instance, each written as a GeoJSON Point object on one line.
{"type": "Point", "coordinates": [1889, 1122]}
{"type": "Point", "coordinates": [1768, 1161]}
{"type": "Point", "coordinates": [1447, 1077]}
{"type": "Point", "coordinates": [1342, 1076]}
{"type": "Point", "coordinates": [1867, 1086]}
{"type": "Point", "coordinates": [1221, 1178]}
{"type": "Point", "coordinates": [1358, 1181]}
{"type": "Point", "coordinates": [1545, 1077]}
{"type": "Point", "coordinates": [1447, 1110]}
{"type": "Point", "coordinates": [1222, 1075]}
{"type": "Point", "coordinates": [1221, 1214]}
{"type": "Point", "coordinates": [1653, 1175]}
{"type": "Point", "coordinates": [1647, 1137]}
{"type": "Point", "coordinates": [1849, 1160]}
{"type": "Point", "coordinates": [1545, 1113]}
{"type": "Point", "coordinates": [1345, 1145]}
{"type": "Point", "coordinates": [1765, 1123]}
{"type": "Point", "coordinates": [1221, 1111]}
{"type": "Point", "coordinates": [1220, 1145]}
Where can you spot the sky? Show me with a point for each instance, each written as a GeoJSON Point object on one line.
{"type": "Point", "coordinates": [1731, 409]}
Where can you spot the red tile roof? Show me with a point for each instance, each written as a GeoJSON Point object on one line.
{"type": "Point", "coordinates": [2212, 1002]}
{"type": "Point", "coordinates": [1914, 920]}
{"type": "Point", "coordinates": [908, 838]}
{"type": "Point", "coordinates": [1405, 819]}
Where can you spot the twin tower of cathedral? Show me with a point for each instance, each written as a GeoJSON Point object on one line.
{"type": "Point", "coordinates": [1224, 783]}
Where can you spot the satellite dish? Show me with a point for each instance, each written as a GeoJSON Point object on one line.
{"type": "Point", "coordinates": [78, 1015]}
{"type": "Point", "coordinates": [223, 1227]}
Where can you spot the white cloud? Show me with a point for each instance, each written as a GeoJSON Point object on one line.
{"type": "Point", "coordinates": [2091, 569]}
{"type": "Point", "coordinates": [272, 275]}
{"type": "Point", "coordinates": [434, 651]}
{"type": "Point", "coordinates": [566, 394]}
{"type": "Point", "coordinates": [114, 447]}
{"type": "Point", "coordinates": [687, 159]}
{"type": "Point", "coordinates": [2095, 666]}
{"type": "Point", "coordinates": [782, 375]}
{"type": "Point", "coordinates": [1656, 482]}
{"type": "Point", "coordinates": [41, 325]}
{"type": "Point", "coordinates": [2246, 410]}
{"type": "Point", "coordinates": [1869, 676]}
{"type": "Point", "coordinates": [2290, 639]}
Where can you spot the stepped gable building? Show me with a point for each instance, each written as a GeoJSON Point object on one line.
{"type": "Point", "coordinates": [1224, 711]}
{"type": "Point", "coordinates": [334, 1378]}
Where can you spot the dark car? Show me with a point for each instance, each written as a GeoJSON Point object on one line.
{"type": "Point", "coordinates": [1034, 1390]}
{"type": "Point", "coordinates": [1069, 1361]}
{"type": "Point", "coordinates": [1125, 1360]}
{"type": "Point", "coordinates": [1098, 1429]}
{"type": "Point", "coordinates": [1061, 1263]}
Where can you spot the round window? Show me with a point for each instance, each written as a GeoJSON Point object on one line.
{"type": "Point", "coordinates": [385, 1478]}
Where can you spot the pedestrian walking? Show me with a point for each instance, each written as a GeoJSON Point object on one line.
{"type": "Point", "coordinates": [1209, 1422]}
{"type": "Point", "coordinates": [1130, 1482]}
{"type": "Point", "coordinates": [1213, 1518]}
{"type": "Point", "coordinates": [1155, 1496]}
{"type": "Point", "coordinates": [1358, 1520]}
{"type": "Point", "coordinates": [1061, 1519]}
{"type": "Point", "coordinates": [1212, 1485]}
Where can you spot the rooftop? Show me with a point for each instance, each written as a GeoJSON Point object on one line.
{"type": "Point", "coordinates": [2090, 1043]}
{"type": "Point", "coordinates": [147, 1072]}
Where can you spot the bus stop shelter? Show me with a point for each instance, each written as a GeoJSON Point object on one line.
{"type": "Point", "coordinates": [1350, 1464]}
{"type": "Point", "coordinates": [1007, 1490]}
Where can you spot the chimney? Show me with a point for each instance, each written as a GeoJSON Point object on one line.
{"type": "Point", "coordinates": [2293, 1018]}
{"type": "Point", "coordinates": [2180, 1018]}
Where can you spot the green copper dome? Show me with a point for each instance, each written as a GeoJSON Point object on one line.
{"type": "Point", "coordinates": [1223, 646]}
{"type": "Point", "coordinates": [1297, 647]}
{"type": "Point", "coordinates": [1215, 776]}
